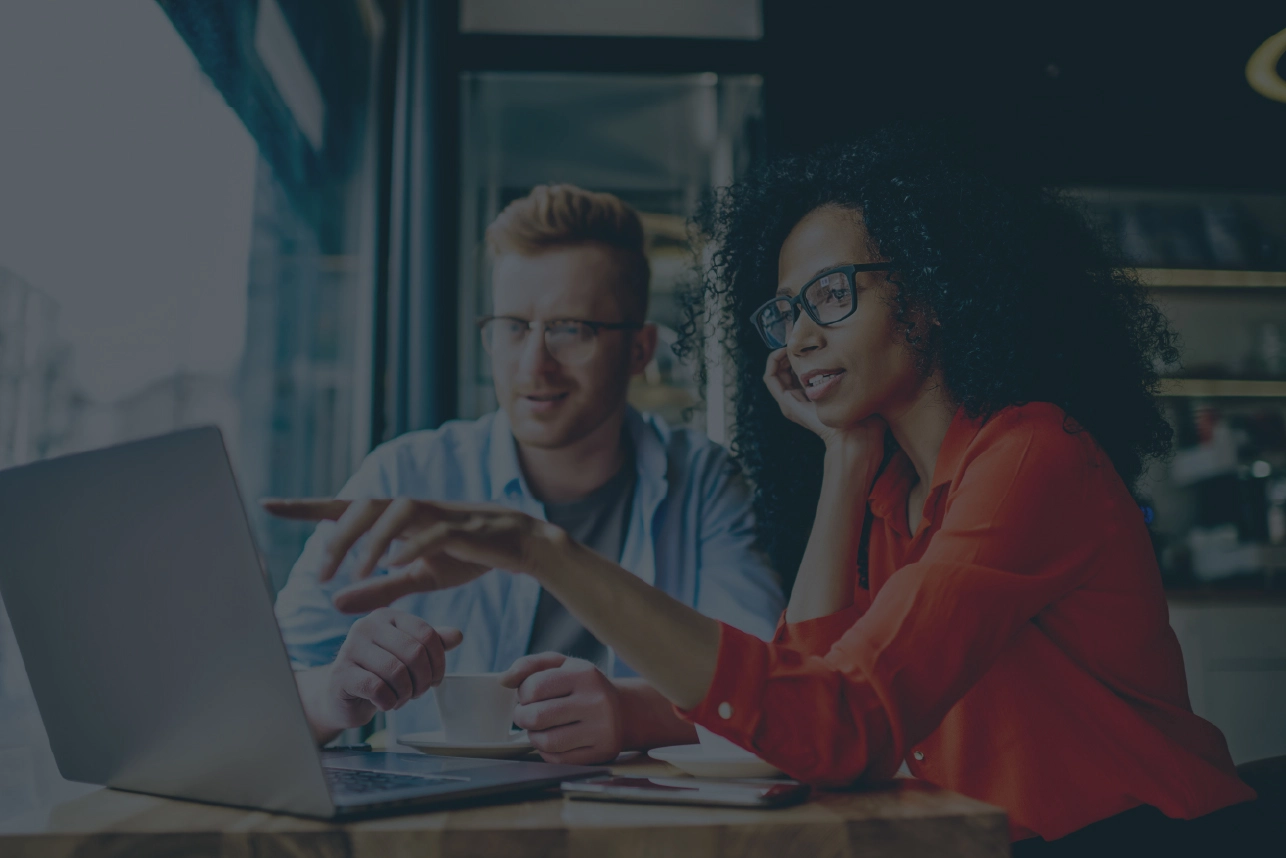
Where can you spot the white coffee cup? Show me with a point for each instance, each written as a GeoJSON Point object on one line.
{"type": "Point", "coordinates": [475, 707]}
{"type": "Point", "coordinates": [714, 745]}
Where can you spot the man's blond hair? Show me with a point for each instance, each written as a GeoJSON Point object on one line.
{"type": "Point", "coordinates": [564, 215]}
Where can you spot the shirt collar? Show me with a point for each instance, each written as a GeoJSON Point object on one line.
{"type": "Point", "coordinates": [651, 437]}
{"type": "Point", "coordinates": [892, 486]}
{"type": "Point", "coordinates": [505, 472]}
{"type": "Point", "coordinates": [960, 435]}
{"type": "Point", "coordinates": [888, 495]}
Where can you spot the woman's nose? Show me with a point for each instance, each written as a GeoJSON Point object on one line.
{"type": "Point", "coordinates": [804, 336]}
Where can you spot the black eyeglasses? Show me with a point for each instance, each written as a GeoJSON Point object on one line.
{"type": "Point", "coordinates": [828, 298]}
{"type": "Point", "coordinates": [569, 341]}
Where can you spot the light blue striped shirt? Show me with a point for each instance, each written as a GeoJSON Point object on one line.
{"type": "Point", "coordinates": [690, 533]}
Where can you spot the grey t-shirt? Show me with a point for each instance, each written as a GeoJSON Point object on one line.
{"type": "Point", "coordinates": [598, 521]}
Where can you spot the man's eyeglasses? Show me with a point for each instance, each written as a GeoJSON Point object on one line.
{"type": "Point", "coordinates": [828, 298]}
{"type": "Point", "coordinates": [569, 341]}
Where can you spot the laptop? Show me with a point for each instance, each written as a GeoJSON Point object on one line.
{"type": "Point", "coordinates": [145, 621]}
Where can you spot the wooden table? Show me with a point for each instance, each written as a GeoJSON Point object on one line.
{"type": "Point", "coordinates": [904, 818]}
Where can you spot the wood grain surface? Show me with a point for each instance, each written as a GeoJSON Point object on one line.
{"type": "Point", "coordinates": [903, 818]}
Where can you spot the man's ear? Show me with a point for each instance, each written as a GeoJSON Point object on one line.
{"type": "Point", "coordinates": [642, 348]}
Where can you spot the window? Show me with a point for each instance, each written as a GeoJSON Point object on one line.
{"type": "Point", "coordinates": [185, 238]}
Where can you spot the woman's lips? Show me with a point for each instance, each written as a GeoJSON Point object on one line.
{"type": "Point", "coordinates": [820, 385]}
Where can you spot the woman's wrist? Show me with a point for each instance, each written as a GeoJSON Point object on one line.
{"type": "Point", "coordinates": [851, 455]}
{"type": "Point", "coordinates": [647, 718]}
{"type": "Point", "coordinates": [547, 552]}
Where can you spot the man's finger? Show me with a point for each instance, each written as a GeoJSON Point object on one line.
{"type": "Point", "coordinates": [548, 714]}
{"type": "Point", "coordinates": [411, 624]}
{"type": "Point", "coordinates": [561, 740]}
{"type": "Point", "coordinates": [349, 527]}
{"type": "Point", "coordinates": [306, 509]}
{"type": "Point", "coordinates": [589, 756]}
{"type": "Point", "coordinates": [360, 683]}
{"type": "Point", "coordinates": [529, 664]}
{"type": "Point", "coordinates": [546, 685]}
{"type": "Point", "coordinates": [447, 639]}
{"type": "Point", "coordinates": [411, 652]}
{"type": "Point", "coordinates": [436, 642]}
{"type": "Point", "coordinates": [373, 658]}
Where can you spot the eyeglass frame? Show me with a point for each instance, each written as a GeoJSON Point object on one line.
{"type": "Point", "coordinates": [594, 326]}
{"type": "Point", "coordinates": [797, 302]}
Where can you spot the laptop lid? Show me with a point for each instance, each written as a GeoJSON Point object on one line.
{"type": "Point", "coordinates": [145, 622]}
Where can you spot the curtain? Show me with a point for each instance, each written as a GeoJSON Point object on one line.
{"type": "Point", "coordinates": [420, 378]}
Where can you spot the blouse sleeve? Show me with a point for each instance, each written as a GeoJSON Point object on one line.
{"type": "Point", "coordinates": [841, 697]}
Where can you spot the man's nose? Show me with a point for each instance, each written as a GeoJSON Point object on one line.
{"type": "Point", "coordinates": [535, 357]}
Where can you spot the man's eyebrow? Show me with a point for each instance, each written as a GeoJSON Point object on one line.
{"type": "Point", "coordinates": [782, 291]}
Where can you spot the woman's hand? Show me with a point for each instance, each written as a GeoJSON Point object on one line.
{"type": "Point", "coordinates": [440, 545]}
{"type": "Point", "coordinates": [865, 440]}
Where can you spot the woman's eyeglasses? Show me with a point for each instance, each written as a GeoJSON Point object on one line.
{"type": "Point", "coordinates": [828, 298]}
{"type": "Point", "coordinates": [569, 341]}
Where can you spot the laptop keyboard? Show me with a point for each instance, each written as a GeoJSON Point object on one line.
{"type": "Point", "coordinates": [365, 781]}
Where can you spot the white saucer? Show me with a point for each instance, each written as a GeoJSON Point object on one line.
{"type": "Point", "coordinates": [435, 742]}
{"type": "Point", "coordinates": [703, 762]}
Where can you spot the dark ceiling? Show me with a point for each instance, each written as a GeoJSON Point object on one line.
{"type": "Point", "coordinates": [1124, 94]}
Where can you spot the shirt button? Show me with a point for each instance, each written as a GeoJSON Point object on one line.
{"type": "Point", "coordinates": [725, 711]}
{"type": "Point", "coordinates": [919, 755]}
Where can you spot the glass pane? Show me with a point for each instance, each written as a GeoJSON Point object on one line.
{"type": "Point", "coordinates": [710, 19]}
{"type": "Point", "coordinates": [660, 142]}
{"type": "Point", "coordinates": [164, 265]}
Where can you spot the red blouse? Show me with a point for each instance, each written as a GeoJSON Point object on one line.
{"type": "Point", "coordinates": [1016, 648]}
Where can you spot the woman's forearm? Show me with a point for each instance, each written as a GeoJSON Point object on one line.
{"type": "Point", "coordinates": [669, 644]}
{"type": "Point", "coordinates": [672, 646]}
{"type": "Point", "coordinates": [828, 569]}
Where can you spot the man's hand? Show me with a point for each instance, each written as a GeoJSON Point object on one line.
{"type": "Point", "coordinates": [388, 659]}
{"type": "Point", "coordinates": [572, 713]}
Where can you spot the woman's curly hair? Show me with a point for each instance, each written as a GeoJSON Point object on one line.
{"type": "Point", "coordinates": [1031, 304]}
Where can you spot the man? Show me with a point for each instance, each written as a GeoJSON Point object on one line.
{"type": "Point", "coordinates": [570, 285]}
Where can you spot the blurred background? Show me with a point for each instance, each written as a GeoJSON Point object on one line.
{"type": "Point", "coordinates": [267, 215]}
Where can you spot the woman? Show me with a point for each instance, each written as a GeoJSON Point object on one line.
{"type": "Point", "coordinates": [957, 394]}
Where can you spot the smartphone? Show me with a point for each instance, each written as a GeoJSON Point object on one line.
{"type": "Point", "coordinates": [744, 793]}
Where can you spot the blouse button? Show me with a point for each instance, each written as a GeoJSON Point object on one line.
{"type": "Point", "coordinates": [725, 711]}
{"type": "Point", "coordinates": [919, 755]}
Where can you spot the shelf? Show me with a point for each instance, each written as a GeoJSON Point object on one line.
{"type": "Point", "coordinates": [1227, 595]}
{"type": "Point", "coordinates": [1198, 278]}
{"type": "Point", "coordinates": [1221, 387]}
